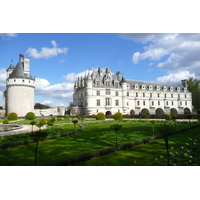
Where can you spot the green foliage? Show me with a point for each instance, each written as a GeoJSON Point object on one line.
{"type": "Point", "coordinates": [75, 121]}
{"type": "Point", "coordinates": [67, 117]}
{"type": "Point", "coordinates": [118, 116]}
{"type": "Point", "coordinates": [187, 155]}
{"type": "Point", "coordinates": [100, 116]}
{"type": "Point", "coordinates": [41, 106]}
{"type": "Point", "coordinates": [5, 121]}
{"type": "Point", "coordinates": [173, 117]}
{"type": "Point", "coordinates": [168, 117]}
{"type": "Point", "coordinates": [41, 123]}
{"type": "Point", "coordinates": [30, 116]}
{"type": "Point", "coordinates": [116, 128]}
{"type": "Point", "coordinates": [12, 116]}
{"type": "Point", "coordinates": [50, 122]}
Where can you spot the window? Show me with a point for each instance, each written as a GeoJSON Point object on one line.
{"type": "Point", "coordinates": [143, 94]}
{"type": "Point", "coordinates": [107, 91]}
{"type": "Point", "coordinates": [98, 93]}
{"type": "Point", "coordinates": [158, 95]}
{"type": "Point", "coordinates": [136, 94]}
{"type": "Point", "coordinates": [180, 103]}
{"type": "Point", "coordinates": [152, 103]}
{"type": "Point", "coordinates": [127, 94]}
{"type": "Point", "coordinates": [158, 102]}
{"type": "Point", "coordinates": [179, 96]}
{"type": "Point", "coordinates": [167, 103]}
{"type": "Point", "coordinates": [186, 103]}
{"type": "Point", "coordinates": [171, 95]}
{"type": "Point", "coordinates": [143, 103]}
{"type": "Point", "coordinates": [185, 96]}
{"type": "Point", "coordinates": [107, 84]}
{"type": "Point", "coordinates": [107, 101]}
{"type": "Point", "coordinates": [150, 94]}
{"type": "Point", "coordinates": [172, 103]}
{"type": "Point", "coordinates": [116, 93]}
{"type": "Point", "coordinates": [165, 95]}
{"type": "Point", "coordinates": [116, 85]}
{"type": "Point", "coordinates": [98, 83]}
{"type": "Point", "coordinates": [117, 102]}
{"type": "Point", "coordinates": [98, 102]}
{"type": "Point", "coordinates": [138, 103]}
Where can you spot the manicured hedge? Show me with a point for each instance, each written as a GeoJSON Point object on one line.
{"type": "Point", "coordinates": [12, 116]}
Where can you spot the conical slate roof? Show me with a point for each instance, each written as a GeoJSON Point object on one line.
{"type": "Point", "coordinates": [10, 67]}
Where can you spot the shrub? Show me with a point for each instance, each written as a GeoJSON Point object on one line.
{"type": "Point", "coordinates": [12, 116]}
{"type": "Point", "coordinates": [168, 117]}
{"type": "Point", "coordinates": [30, 116]}
{"type": "Point", "coordinates": [118, 116]}
{"type": "Point", "coordinates": [5, 121]}
{"type": "Point", "coordinates": [100, 116]}
{"type": "Point", "coordinates": [50, 122]}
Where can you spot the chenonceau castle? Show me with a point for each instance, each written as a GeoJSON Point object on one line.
{"type": "Point", "coordinates": [102, 91]}
{"type": "Point", "coordinates": [19, 94]}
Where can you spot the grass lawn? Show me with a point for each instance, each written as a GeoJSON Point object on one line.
{"type": "Point", "coordinates": [143, 155]}
{"type": "Point", "coordinates": [93, 138]}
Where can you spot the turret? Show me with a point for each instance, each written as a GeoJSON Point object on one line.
{"type": "Point", "coordinates": [10, 69]}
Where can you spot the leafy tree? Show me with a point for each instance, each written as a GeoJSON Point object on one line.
{"type": "Point", "coordinates": [41, 106]}
{"type": "Point", "coordinates": [193, 87]}
{"type": "Point", "coordinates": [116, 128]}
{"type": "Point", "coordinates": [37, 137]}
{"type": "Point", "coordinates": [152, 123]}
{"type": "Point", "coordinates": [166, 129]}
{"type": "Point", "coordinates": [33, 122]}
{"type": "Point", "coordinates": [75, 121]}
{"type": "Point", "coordinates": [41, 123]}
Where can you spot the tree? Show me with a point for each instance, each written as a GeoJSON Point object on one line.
{"type": "Point", "coordinates": [41, 123]}
{"type": "Point", "coordinates": [75, 121]}
{"type": "Point", "coordinates": [41, 106]}
{"type": "Point", "coordinates": [194, 88]}
{"type": "Point", "coordinates": [37, 137]}
{"type": "Point", "coordinates": [33, 122]}
{"type": "Point", "coordinates": [166, 129]}
{"type": "Point", "coordinates": [152, 123]}
{"type": "Point", "coordinates": [116, 128]}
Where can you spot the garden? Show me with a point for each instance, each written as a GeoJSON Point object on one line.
{"type": "Point", "coordinates": [79, 141]}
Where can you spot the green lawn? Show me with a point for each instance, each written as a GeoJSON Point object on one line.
{"type": "Point", "coordinates": [143, 155]}
{"type": "Point", "coordinates": [92, 138]}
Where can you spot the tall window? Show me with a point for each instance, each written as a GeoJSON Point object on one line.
{"type": "Point", "coordinates": [165, 95]}
{"type": "Point", "coordinates": [116, 85]}
{"type": "Point", "coordinates": [117, 102]}
{"type": "Point", "coordinates": [179, 96]}
{"type": "Point", "coordinates": [158, 102]}
{"type": "Point", "coordinates": [138, 103]}
{"type": "Point", "coordinates": [116, 93]}
{"type": "Point", "coordinates": [186, 103]}
{"type": "Point", "coordinates": [158, 95]}
{"type": "Point", "coordinates": [143, 103]}
{"type": "Point", "coordinates": [171, 95]}
{"type": "Point", "coordinates": [136, 94]}
{"type": "Point", "coordinates": [127, 94]}
{"type": "Point", "coordinates": [107, 101]}
{"type": "Point", "coordinates": [98, 93]}
{"type": "Point", "coordinates": [150, 94]}
{"type": "Point", "coordinates": [152, 103]}
{"type": "Point", "coordinates": [98, 102]}
{"type": "Point", "coordinates": [172, 103]}
{"type": "Point", "coordinates": [143, 94]}
{"type": "Point", "coordinates": [107, 91]}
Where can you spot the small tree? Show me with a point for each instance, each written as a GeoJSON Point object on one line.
{"type": "Point", "coordinates": [33, 122]}
{"type": "Point", "coordinates": [37, 137]}
{"type": "Point", "coordinates": [118, 116]}
{"type": "Point", "coordinates": [41, 123]}
{"type": "Point", "coordinates": [75, 121]}
{"type": "Point", "coordinates": [152, 123]}
{"type": "Point", "coordinates": [12, 116]}
{"type": "Point", "coordinates": [168, 117]}
{"type": "Point", "coordinates": [116, 128]}
{"type": "Point", "coordinates": [166, 129]}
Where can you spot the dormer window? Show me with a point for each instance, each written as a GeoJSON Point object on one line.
{"type": "Point", "coordinates": [150, 87]}
{"type": "Point", "coordinates": [171, 88]}
{"type": "Point", "coordinates": [143, 87]}
{"type": "Point", "coordinates": [98, 83]}
{"type": "Point", "coordinates": [107, 84]}
{"type": "Point", "coordinates": [158, 87]}
{"type": "Point", "coordinates": [178, 89]}
{"type": "Point", "coordinates": [136, 86]}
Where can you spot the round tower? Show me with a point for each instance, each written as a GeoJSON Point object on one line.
{"type": "Point", "coordinates": [20, 88]}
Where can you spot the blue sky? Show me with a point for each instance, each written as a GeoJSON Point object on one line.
{"type": "Point", "coordinates": [57, 59]}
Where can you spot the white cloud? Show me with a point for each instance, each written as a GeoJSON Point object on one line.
{"type": "Point", "coordinates": [2, 77]}
{"type": "Point", "coordinates": [7, 36]}
{"type": "Point", "coordinates": [72, 77]}
{"type": "Point", "coordinates": [47, 52]}
{"type": "Point", "coordinates": [178, 51]}
{"type": "Point", "coordinates": [176, 77]}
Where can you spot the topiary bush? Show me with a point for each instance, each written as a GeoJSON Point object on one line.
{"type": "Point", "coordinates": [168, 117]}
{"type": "Point", "coordinates": [12, 116]}
{"type": "Point", "coordinates": [118, 116]}
{"type": "Point", "coordinates": [5, 121]}
{"type": "Point", "coordinates": [30, 116]}
{"type": "Point", "coordinates": [100, 116]}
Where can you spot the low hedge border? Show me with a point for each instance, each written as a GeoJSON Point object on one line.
{"type": "Point", "coordinates": [87, 156]}
{"type": "Point", "coordinates": [14, 144]}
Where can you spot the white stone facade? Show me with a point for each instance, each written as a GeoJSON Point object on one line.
{"type": "Point", "coordinates": [102, 91]}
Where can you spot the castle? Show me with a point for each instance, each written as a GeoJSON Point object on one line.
{"type": "Point", "coordinates": [102, 91]}
{"type": "Point", "coordinates": [19, 94]}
